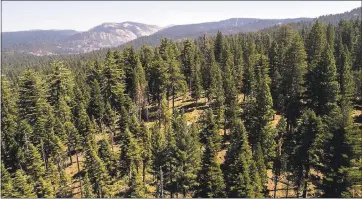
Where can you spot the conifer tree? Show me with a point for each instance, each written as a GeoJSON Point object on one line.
{"type": "Point", "coordinates": [137, 187]}
{"type": "Point", "coordinates": [8, 125]}
{"type": "Point", "coordinates": [249, 75]}
{"type": "Point", "coordinates": [87, 187]}
{"type": "Point", "coordinates": [345, 78]}
{"type": "Point", "coordinates": [292, 82]}
{"type": "Point", "coordinates": [187, 155]}
{"type": "Point", "coordinates": [315, 44]}
{"type": "Point", "coordinates": [342, 164]}
{"type": "Point", "coordinates": [210, 178]}
{"type": "Point", "coordinates": [64, 186]}
{"type": "Point", "coordinates": [96, 170]}
{"type": "Point", "coordinates": [96, 105]}
{"type": "Point", "coordinates": [23, 188]}
{"type": "Point", "coordinates": [105, 154]}
{"type": "Point", "coordinates": [308, 148]}
{"type": "Point", "coordinates": [34, 164]}
{"type": "Point", "coordinates": [237, 163]}
{"type": "Point", "coordinates": [6, 183]}
{"type": "Point", "coordinates": [218, 46]}
{"type": "Point", "coordinates": [323, 88]}
{"type": "Point", "coordinates": [44, 189]}
{"type": "Point", "coordinates": [196, 86]}
{"type": "Point", "coordinates": [187, 61]}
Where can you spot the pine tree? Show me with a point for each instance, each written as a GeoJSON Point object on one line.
{"type": "Point", "coordinates": [260, 164]}
{"type": "Point", "coordinates": [229, 90]}
{"type": "Point", "coordinates": [308, 148]}
{"type": "Point", "coordinates": [345, 78]}
{"type": "Point", "coordinates": [315, 44]}
{"type": "Point", "coordinates": [249, 75]}
{"type": "Point", "coordinates": [145, 138]}
{"type": "Point", "coordinates": [105, 154]}
{"type": "Point", "coordinates": [237, 163]}
{"type": "Point", "coordinates": [158, 161]}
{"type": "Point", "coordinates": [137, 187]}
{"type": "Point", "coordinates": [323, 88]}
{"type": "Point", "coordinates": [34, 164]}
{"type": "Point", "coordinates": [6, 183]}
{"type": "Point", "coordinates": [292, 83]}
{"type": "Point", "coordinates": [113, 81]}
{"type": "Point", "coordinates": [8, 125]}
{"type": "Point", "coordinates": [64, 186]}
{"type": "Point", "coordinates": [196, 86]}
{"type": "Point", "coordinates": [210, 178]}
{"type": "Point", "coordinates": [96, 105]}
{"type": "Point", "coordinates": [275, 74]}
{"type": "Point", "coordinates": [129, 153]}
{"type": "Point", "coordinates": [187, 61]}
{"type": "Point", "coordinates": [218, 46]}
{"type": "Point", "coordinates": [87, 187]}
{"type": "Point", "coordinates": [344, 149]}
{"type": "Point", "coordinates": [23, 188]}
{"type": "Point", "coordinates": [44, 189]}
{"type": "Point", "coordinates": [96, 170]}
{"type": "Point", "coordinates": [330, 36]}
{"type": "Point", "coordinates": [187, 155]}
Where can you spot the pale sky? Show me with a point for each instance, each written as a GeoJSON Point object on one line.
{"type": "Point", "coordinates": [83, 15]}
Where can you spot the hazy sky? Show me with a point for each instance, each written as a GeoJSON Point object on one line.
{"type": "Point", "coordinates": [83, 15]}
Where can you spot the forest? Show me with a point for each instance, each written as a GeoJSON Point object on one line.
{"type": "Point", "coordinates": [274, 113]}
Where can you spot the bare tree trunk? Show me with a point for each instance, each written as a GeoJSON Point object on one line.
{"type": "Point", "coordinates": [305, 191]}
{"type": "Point", "coordinates": [161, 182]}
{"type": "Point", "coordinates": [275, 185]}
{"type": "Point", "coordinates": [70, 155]}
{"type": "Point", "coordinates": [144, 170]}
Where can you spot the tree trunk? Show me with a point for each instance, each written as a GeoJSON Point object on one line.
{"type": "Point", "coordinates": [70, 155]}
{"type": "Point", "coordinates": [76, 155]}
{"type": "Point", "coordinates": [144, 170]}
{"type": "Point", "coordinates": [161, 182]}
{"type": "Point", "coordinates": [305, 191]}
{"type": "Point", "coordinates": [173, 100]}
{"type": "Point", "coordinates": [275, 185]}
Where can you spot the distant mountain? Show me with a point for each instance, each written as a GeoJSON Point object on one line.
{"type": "Point", "coordinates": [108, 35]}
{"type": "Point", "coordinates": [229, 26]}
{"type": "Point", "coordinates": [45, 42]}
{"type": "Point", "coordinates": [34, 36]}
{"type": "Point", "coordinates": [237, 25]}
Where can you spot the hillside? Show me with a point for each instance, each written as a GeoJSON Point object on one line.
{"type": "Point", "coordinates": [47, 42]}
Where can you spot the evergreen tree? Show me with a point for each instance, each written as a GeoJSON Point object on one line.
{"type": "Point", "coordinates": [237, 163]}
{"type": "Point", "coordinates": [8, 126]}
{"type": "Point", "coordinates": [96, 105]}
{"type": "Point", "coordinates": [196, 86]}
{"type": "Point", "coordinates": [87, 187]}
{"type": "Point", "coordinates": [210, 178]}
{"type": "Point", "coordinates": [187, 155]}
{"type": "Point", "coordinates": [23, 188]}
{"type": "Point", "coordinates": [323, 88]}
{"type": "Point", "coordinates": [292, 82]}
{"type": "Point", "coordinates": [308, 148]}
{"type": "Point", "coordinates": [6, 183]}
{"type": "Point", "coordinates": [218, 46]}
{"type": "Point", "coordinates": [345, 78]}
{"type": "Point", "coordinates": [64, 186]}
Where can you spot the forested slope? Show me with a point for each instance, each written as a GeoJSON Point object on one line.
{"type": "Point", "coordinates": [223, 116]}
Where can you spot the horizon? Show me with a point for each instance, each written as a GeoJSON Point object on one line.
{"type": "Point", "coordinates": [68, 16]}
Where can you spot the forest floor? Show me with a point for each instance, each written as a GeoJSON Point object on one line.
{"type": "Point", "coordinates": [192, 113]}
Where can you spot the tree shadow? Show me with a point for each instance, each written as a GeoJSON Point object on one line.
{"type": "Point", "coordinates": [193, 106]}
